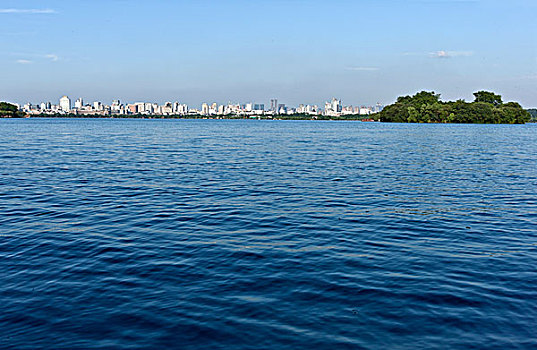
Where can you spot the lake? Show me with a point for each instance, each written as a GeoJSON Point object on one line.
{"type": "Point", "coordinates": [246, 234]}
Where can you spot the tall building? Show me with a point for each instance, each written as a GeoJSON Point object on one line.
{"type": "Point", "coordinates": [167, 108]}
{"type": "Point", "coordinates": [274, 105]}
{"type": "Point", "coordinates": [378, 107]}
{"type": "Point", "coordinates": [116, 106]}
{"type": "Point", "coordinates": [205, 109]}
{"type": "Point", "coordinates": [79, 103]}
{"type": "Point", "coordinates": [65, 104]}
{"type": "Point", "coordinates": [336, 105]}
{"type": "Point", "coordinates": [333, 108]}
{"type": "Point", "coordinates": [182, 109]}
{"type": "Point", "coordinates": [149, 108]}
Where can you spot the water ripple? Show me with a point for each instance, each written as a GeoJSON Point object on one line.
{"type": "Point", "coordinates": [261, 235]}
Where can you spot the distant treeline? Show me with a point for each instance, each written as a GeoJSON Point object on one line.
{"type": "Point", "coordinates": [7, 110]}
{"type": "Point", "coordinates": [426, 107]}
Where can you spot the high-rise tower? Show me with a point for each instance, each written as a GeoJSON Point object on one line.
{"type": "Point", "coordinates": [65, 104]}
{"type": "Point", "coordinates": [274, 105]}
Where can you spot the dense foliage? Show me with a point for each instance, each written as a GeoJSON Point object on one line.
{"type": "Point", "coordinates": [7, 110]}
{"type": "Point", "coordinates": [426, 107]}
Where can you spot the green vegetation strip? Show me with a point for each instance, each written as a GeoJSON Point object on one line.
{"type": "Point", "coordinates": [426, 107]}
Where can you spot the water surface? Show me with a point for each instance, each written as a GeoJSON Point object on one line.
{"type": "Point", "coordinates": [199, 234]}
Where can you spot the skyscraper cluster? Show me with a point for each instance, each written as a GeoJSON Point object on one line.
{"type": "Point", "coordinates": [331, 108]}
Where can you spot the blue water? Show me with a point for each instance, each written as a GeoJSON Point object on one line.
{"type": "Point", "coordinates": [267, 235]}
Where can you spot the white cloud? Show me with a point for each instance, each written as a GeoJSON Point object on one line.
{"type": "Point", "coordinates": [31, 11]}
{"type": "Point", "coordinates": [364, 69]}
{"type": "Point", "coordinates": [440, 54]}
{"type": "Point", "coordinates": [449, 54]}
{"type": "Point", "coordinates": [52, 57]}
{"type": "Point", "coordinates": [34, 57]}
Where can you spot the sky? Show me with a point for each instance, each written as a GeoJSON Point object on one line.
{"type": "Point", "coordinates": [298, 51]}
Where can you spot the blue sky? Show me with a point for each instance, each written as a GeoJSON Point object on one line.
{"type": "Point", "coordinates": [297, 51]}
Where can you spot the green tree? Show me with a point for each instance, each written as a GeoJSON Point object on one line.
{"type": "Point", "coordinates": [413, 115]}
{"type": "Point", "coordinates": [425, 97]}
{"type": "Point", "coordinates": [9, 110]}
{"type": "Point", "coordinates": [488, 97]}
{"type": "Point", "coordinates": [426, 107]}
{"type": "Point", "coordinates": [8, 107]}
{"type": "Point", "coordinates": [395, 113]}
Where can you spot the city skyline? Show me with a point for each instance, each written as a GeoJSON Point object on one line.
{"type": "Point", "coordinates": [65, 105]}
{"type": "Point", "coordinates": [238, 50]}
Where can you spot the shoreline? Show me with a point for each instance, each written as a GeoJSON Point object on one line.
{"type": "Point", "coordinates": [256, 119]}
{"type": "Point", "coordinates": [193, 117]}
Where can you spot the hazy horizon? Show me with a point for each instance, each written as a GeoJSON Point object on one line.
{"type": "Point", "coordinates": [361, 52]}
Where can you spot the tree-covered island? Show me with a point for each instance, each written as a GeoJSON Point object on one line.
{"type": "Point", "coordinates": [426, 107]}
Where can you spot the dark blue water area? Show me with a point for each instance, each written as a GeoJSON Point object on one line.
{"type": "Point", "coordinates": [206, 234]}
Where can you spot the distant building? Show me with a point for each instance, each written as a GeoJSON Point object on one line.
{"type": "Point", "coordinates": [336, 105]}
{"type": "Point", "coordinates": [365, 110]}
{"type": "Point", "coordinates": [205, 109]}
{"type": "Point", "coordinates": [167, 109]}
{"type": "Point", "coordinates": [378, 107]}
{"type": "Point", "coordinates": [333, 108]}
{"type": "Point", "coordinates": [116, 107]}
{"type": "Point", "coordinates": [149, 108]}
{"type": "Point", "coordinates": [213, 109]}
{"type": "Point", "coordinates": [65, 104]}
{"type": "Point", "coordinates": [133, 109]}
{"type": "Point", "coordinates": [182, 109]}
{"type": "Point", "coordinates": [274, 105]}
{"type": "Point", "coordinates": [347, 110]}
{"type": "Point", "coordinates": [79, 103]}
{"type": "Point", "coordinates": [140, 107]}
